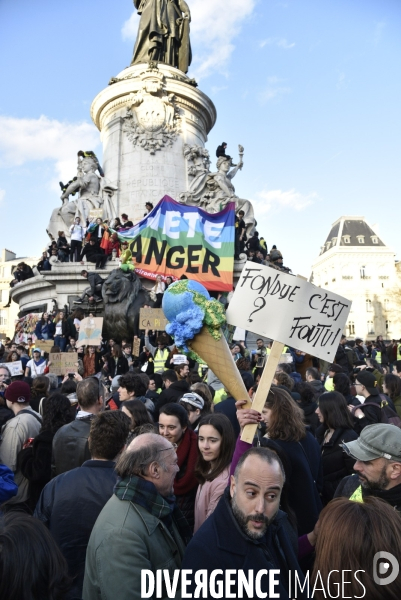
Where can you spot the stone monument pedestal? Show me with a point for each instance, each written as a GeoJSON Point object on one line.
{"type": "Point", "coordinates": [145, 116]}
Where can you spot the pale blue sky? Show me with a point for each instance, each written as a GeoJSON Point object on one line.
{"type": "Point", "coordinates": [311, 88]}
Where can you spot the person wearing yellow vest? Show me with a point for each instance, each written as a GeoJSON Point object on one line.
{"type": "Point", "coordinates": [377, 452]}
{"type": "Point", "coordinates": [333, 369]}
{"type": "Point", "coordinates": [160, 353]}
{"type": "Point", "coordinates": [376, 353]}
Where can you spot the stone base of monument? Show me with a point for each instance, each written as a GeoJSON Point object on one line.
{"type": "Point", "coordinates": [64, 284]}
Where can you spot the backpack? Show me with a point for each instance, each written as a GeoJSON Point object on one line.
{"type": "Point", "coordinates": [388, 415]}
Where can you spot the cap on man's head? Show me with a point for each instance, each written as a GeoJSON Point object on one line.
{"type": "Point", "coordinates": [18, 391]}
{"type": "Point", "coordinates": [382, 440]}
{"type": "Point", "coordinates": [194, 399]}
{"type": "Point", "coordinates": [36, 350]}
{"type": "Point", "coordinates": [367, 379]}
{"type": "Point", "coordinates": [335, 369]}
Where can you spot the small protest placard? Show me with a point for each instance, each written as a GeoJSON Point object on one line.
{"type": "Point", "coordinates": [152, 318]}
{"type": "Point", "coordinates": [289, 310]}
{"type": "Point", "coordinates": [96, 213]}
{"type": "Point", "coordinates": [179, 359]}
{"type": "Point", "coordinates": [90, 331]}
{"type": "Point", "coordinates": [63, 363]}
{"type": "Point", "coordinates": [15, 368]}
{"type": "Point", "coordinates": [44, 345]}
{"type": "Point", "coordinates": [136, 347]}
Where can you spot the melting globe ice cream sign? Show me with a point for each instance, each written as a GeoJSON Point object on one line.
{"type": "Point", "coordinates": [176, 239]}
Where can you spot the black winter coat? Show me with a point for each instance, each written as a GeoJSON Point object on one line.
{"type": "Point", "coordinates": [350, 484]}
{"type": "Point", "coordinates": [35, 465]}
{"type": "Point", "coordinates": [337, 464]}
{"type": "Point", "coordinates": [120, 368]}
{"type": "Point", "coordinates": [373, 414]}
{"type": "Point", "coordinates": [303, 493]}
{"type": "Point", "coordinates": [173, 394]}
{"type": "Point", "coordinates": [69, 506]}
{"type": "Point", "coordinates": [70, 446]}
{"type": "Point", "coordinates": [220, 543]}
{"type": "Point", "coordinates": [5, 415]}
{"type": "Point", "coordinates": [310, 416]}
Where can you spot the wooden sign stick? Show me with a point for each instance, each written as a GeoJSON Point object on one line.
{"type": "Point", "coordinates": [264, 386]}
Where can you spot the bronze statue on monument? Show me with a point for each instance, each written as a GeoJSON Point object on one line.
{"type": "Point", "coordinates": [163, 33]}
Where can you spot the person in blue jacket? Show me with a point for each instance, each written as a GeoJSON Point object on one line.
{"type": "Point", "coordinates": [8, 487]}
{"type": "Point", "coordinates": [44, 329]}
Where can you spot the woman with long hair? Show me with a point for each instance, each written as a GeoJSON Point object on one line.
{"type": "Point", "coordinates": [336, 427]}
{"type": "Point", "coordinates": [216, 447]}
{"type": "Point", "coordinates": [159, 289]}
{"type": "Point", "coordinates": [40, 390]}
{"type": "Point", "coordinates": [351, 534]}
{"type": "Point", "coordinates": [36, 460]}
{"type": "Point", "coordinates": [63, 249]}
{"type": "Point", "coordinates": [61, 331]}
{"type": "Point", "coordinates": [13, 357]}
{"type": "Point", "coordinates": [117, 364]}
{"type": "Point", "coordinates": [342, 385]}
{"type": "Point", "coordinates": [138, 415]}
{"type": "Point", "coordinates": [92, 361]}
{"type": "Point", "coordinates": [32, 566]}
{"type": "Point", "coordinates": [44, 329]}
{"type": "Point", "coordinates": [284, 423]}
{"type": "Point", "coordinates": [392, 387]}
{"type": "Point", "coordinates": [174, 426]}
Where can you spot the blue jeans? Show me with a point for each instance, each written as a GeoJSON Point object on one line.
{"type": "Point", "coordinates": [61, 342]}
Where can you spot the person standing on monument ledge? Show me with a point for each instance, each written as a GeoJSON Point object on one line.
{"type": "Point", "coordinates": [247, 530]}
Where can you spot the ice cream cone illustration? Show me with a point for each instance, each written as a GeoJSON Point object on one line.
{"type": "Point", "coordinates": [195, 321]}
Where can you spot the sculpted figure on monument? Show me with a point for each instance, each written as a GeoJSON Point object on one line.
{"type": "Point", "coordinates": [94, 193]}
{"type": "Point", "coordinates": [163, 33]}
{"type": "Point", "coordinates": [212, 191]}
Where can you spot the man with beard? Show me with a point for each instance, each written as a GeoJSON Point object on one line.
{"type": "Point", "coordinates": [247, 531]}
{"type": "Point", "coordinates": [378, 465]}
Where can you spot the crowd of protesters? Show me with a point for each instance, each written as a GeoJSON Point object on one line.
{"type": "Point", "coordinates": [135, 462]}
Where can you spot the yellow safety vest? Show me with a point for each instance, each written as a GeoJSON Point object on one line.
{"type": "Point", "coordinates": [219, 396]}
{"type": "Point", "coordinates": [398, 352]}
{"type": "Point", "coordinates": [378, 357]}
{"type": "Point", "coordinates": [328, 384]}
{"type": "Point", "coordinates": [159, 359]}
{"type": "Point", "coordinates": [357, 495]}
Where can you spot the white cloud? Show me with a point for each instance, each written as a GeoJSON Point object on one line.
{"type": "Point", "coordinates": [30, 140]}
{"type": "Point", "coordinates": [279, 42]}
{"type": "Point", "coordinates": [213, 30]}
{"type": "Point", "coordinates": [2, 194]}
{"type": "Point", "coordinates": [272, 201]}
{"type": "Point", "coordinates": [274, 89]}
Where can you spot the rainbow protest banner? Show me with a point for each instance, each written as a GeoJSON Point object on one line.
{"type": "Point", "coordinates": [176, 239]}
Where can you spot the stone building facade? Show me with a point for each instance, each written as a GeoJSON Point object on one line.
{"type": "Point", "coordinates": [355, 263]}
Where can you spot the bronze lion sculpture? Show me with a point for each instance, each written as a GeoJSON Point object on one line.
{"type": "Point", "coordinates": [123, 297]}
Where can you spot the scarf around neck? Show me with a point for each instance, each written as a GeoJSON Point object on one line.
{"type": "Point", "coordinates": [187, 454]}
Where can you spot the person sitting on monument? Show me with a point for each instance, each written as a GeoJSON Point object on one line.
{"type": "Point", "coordinates": [44, 264]}
{"type": "Point", "coordinates": [94, 254]}
{"type": "Point", "coordinates": [221, 151]}
{"type": "Point", "coordinates": [94, 291]}
{"type": "Point", "coordinates": [126, 258]}
{"type": "Point", "coordinates": [126, 224]}
{"type": "Point", "coordinates": [54, 259]}
{"type": "Point", "coordinates": [62, 247]}
{"type": "Point", "coordinates": [113, 245]}
{"type": "Point", "coordinates": [21, 273]}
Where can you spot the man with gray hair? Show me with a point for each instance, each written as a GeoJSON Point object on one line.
{"type": "Point", "coordinates": [140, 526]}
{"type": "Point", "coordinates": [248, 530]}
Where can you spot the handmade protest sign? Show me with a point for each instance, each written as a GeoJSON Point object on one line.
{"type": "Point", "coordinates": [15, 368]}
{"type": "Point", "coordinates": [63, 363]}
{"type": "Point", "coordinates": [90, 331]}
{"type": "Point", "coordinates": [44, 345]}
{"type": "Point", "coordinates": [176, 239]}
{"type": "Point", "coordinates": [290, 311]}
{"type": "Point", "coordinates": [152, 318]}
{"type": "Point", "coordinates": [180, 359]}
{"type": "Point", "coordinates": [136, 348]}
{"type": "Point", "coordinates": [96, 213]}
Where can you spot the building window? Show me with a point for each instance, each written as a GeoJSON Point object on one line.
{"type": "Point", "coordinates": [3, 317]}
{"type": "Point", "coordinates": [386, 304]}
{"type": "Point", "coordinates": [375, 239]}
{"type": "Point", "coordinates": [351, 328]}
{"type": "Point", "coordinates": [328, 245]}
{"type": "Point", "coordinates": [388, 326]}
{"type": "Point", "coordinates": [333, 241]}
{"type": "Point", "coordinates": [361, 239]}
{"type": "Point", "coordinates": [347, 239]}
{"type": "Point", "coordinates": [371, 328]}
{"type": "Point", "coordinates": [368, 305]}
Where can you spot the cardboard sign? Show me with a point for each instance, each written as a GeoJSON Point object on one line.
{"type": "Point", "coordinates": [179, 359]}
{"type": "Point", "coordinates": [152, 318]}
{"type": "Point", "coordinates": [44, 345]}
{"type": "Point", "coordinates": [136, 347]}
{"type": "Point", "coordinates": [96, 213]}
{"type": "Point", "coordinates": [15, 368]}
{"type": "Point", "coordinates": [90, 331]}
{"type": "Point", "coordinates": [63, 363]}
{"type": "Point", "coordinates": [289, 310]}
